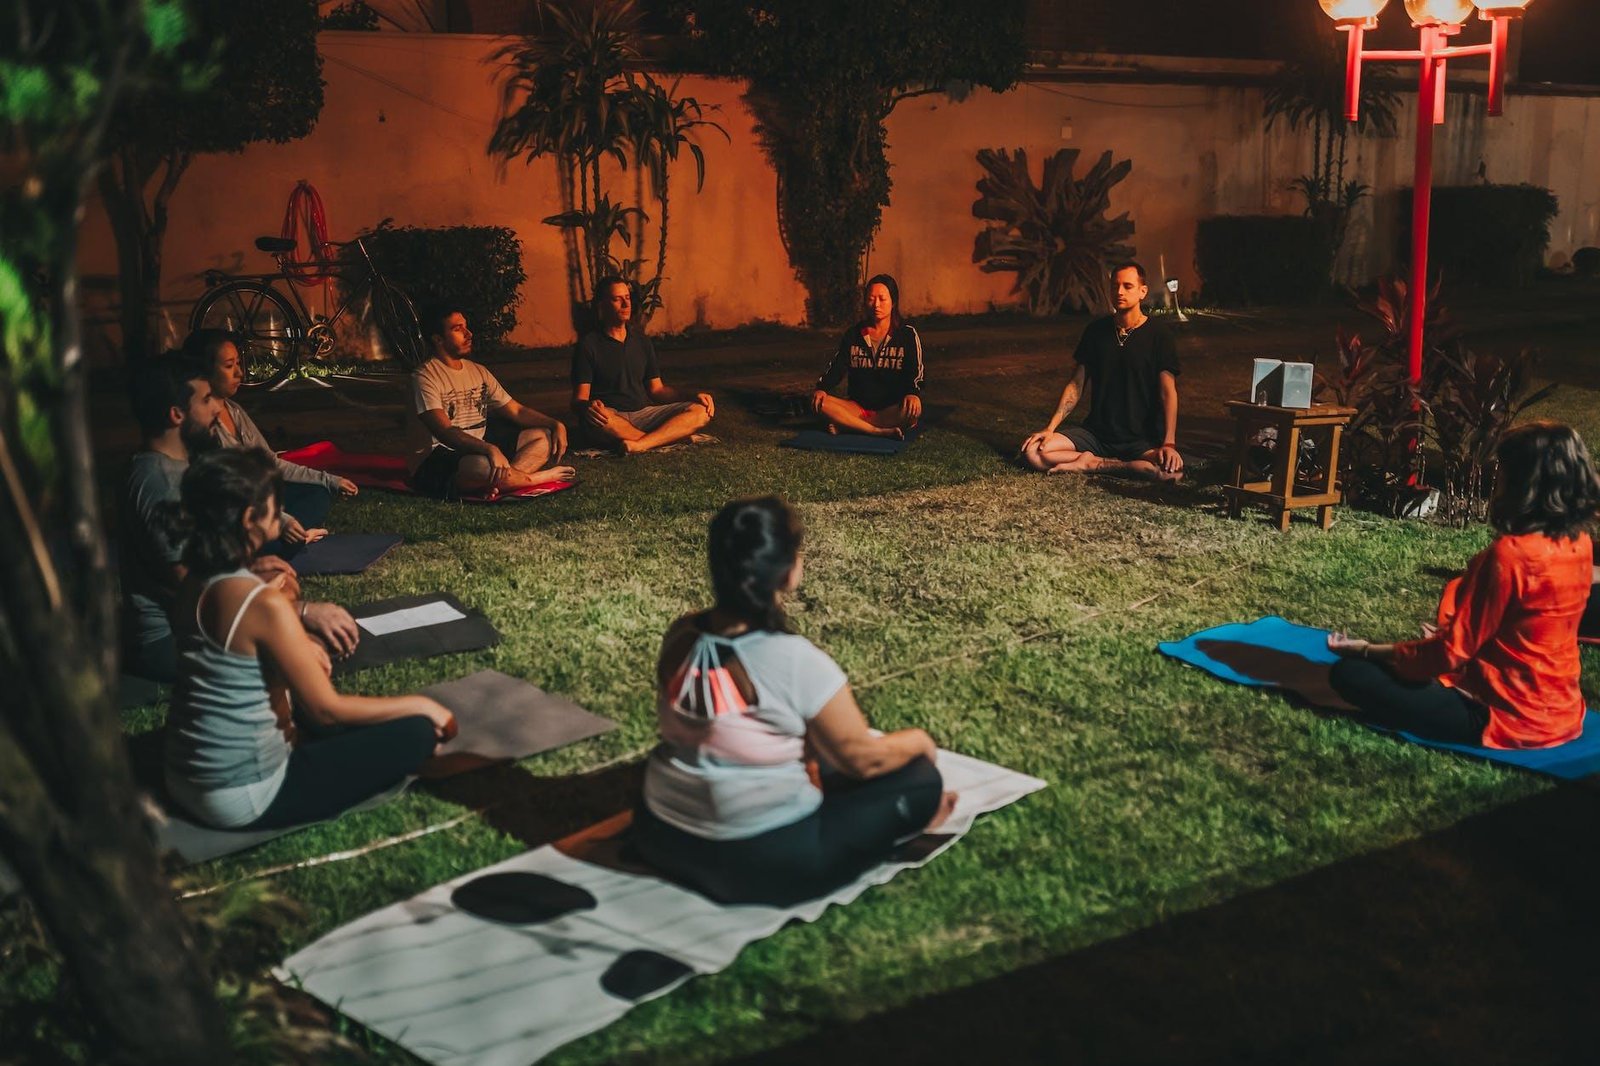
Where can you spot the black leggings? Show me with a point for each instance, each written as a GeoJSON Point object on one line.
{"type": "Point", "coordinates": [310, 504]}
{"type": "Point", "coordinates": [331, 773]}
{"type": "Point", "coordinates": [1426, 708]}
{"type": "Point", "coordinates": [855, 829]}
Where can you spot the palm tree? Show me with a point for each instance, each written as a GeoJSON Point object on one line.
{"type": "Point", "coordinates": [568, 93]}
{"type": "Point", "coordinates": [661, 124]}
{"type": "Point", "coordinates": [1309, 94]}
{"type": "Point", "coordinates": [574, 91]}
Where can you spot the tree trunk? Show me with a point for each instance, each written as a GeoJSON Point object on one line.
{"type": "Point", "coordinates": [140, 228]}
{"type": "Point", "coordinates": [71, 825]}
{"type": "Point", "coordinates": [661, 239]}
{"type": "Point", "coordinates": [70, 819]}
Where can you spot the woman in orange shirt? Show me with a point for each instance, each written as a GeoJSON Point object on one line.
{"type": "Point", "coordinates": [1501, 668]}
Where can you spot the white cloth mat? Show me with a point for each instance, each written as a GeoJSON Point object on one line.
{"type": "Point", "coordinates": [457, 989]}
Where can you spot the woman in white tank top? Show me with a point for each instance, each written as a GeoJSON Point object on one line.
{"type": "Point", "coordinates": [233, 756]}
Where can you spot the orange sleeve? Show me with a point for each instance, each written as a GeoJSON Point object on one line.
{"type": "Point", "coordinates": [1480, 604]}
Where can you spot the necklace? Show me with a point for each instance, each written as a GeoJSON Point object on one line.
{"type": "Point", "coordinates": [1124, 334]}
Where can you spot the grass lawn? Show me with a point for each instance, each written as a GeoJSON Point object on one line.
{"type": "Point", "coordinates": [1013, 616]}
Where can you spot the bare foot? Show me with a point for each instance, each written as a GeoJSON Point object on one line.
{"type": "Point", "coordinates": [552, 473]}
{"type": "Point", "coordinates": [631, 447]}
{"type": "Point", "coordinates": [947, 806]}
{"type": "Point", "coordinates": [1082, 463]}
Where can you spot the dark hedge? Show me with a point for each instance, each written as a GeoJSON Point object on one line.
{"type": "Point", "coordinates": [478, 267]}
{"type": "Point", "coordinates": [1490, 234]}
{"type": "Point", "coordinates": [1261, 259]}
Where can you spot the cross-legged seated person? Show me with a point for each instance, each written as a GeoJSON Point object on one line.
{"type": "Point", "coordinates": [175, 409]}
{"type": "Point", "coordinates": [233, 757]}
{"type": "Point", "coordinates": [307, 493]}
{"type": "Point", "coordinates": [1501, 666]}
{"type": "Point", "coordinates": [729, 806]}
{"type": "Point", "coordinates": [1131, 367]}
{"type": "Point", "coordinates": [617, 391]}
{"type": "Point", "coordinates": [880, 361]}
{"type": "Point", "coordinates": [470, 436]}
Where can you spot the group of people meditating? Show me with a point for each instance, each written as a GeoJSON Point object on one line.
{"type": "Point", "coordinates": [767, 786]}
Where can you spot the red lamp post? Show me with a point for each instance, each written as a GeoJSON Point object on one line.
{"type": "Point", "coordinates": [1436, 22]}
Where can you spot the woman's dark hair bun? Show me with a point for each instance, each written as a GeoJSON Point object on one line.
{"type": "Point", "coordinates": [216, 491]}
{"type": "Point", "coordinates": [754, 545]}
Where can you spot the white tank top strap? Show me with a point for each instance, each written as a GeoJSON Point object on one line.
{"type": "Point", "coordinates": [239, 617]}
{"type": "Point", "coordinates": [249, 597]}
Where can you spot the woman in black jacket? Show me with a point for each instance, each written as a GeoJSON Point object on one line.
{"type": "Point", "coordinates": [880, 359]}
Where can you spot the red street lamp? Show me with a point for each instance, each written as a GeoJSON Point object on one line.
{"type": "Point", "coordinates": [1436, 22]}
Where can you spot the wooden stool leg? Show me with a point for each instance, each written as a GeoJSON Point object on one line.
{"type": "Point", "coordinates": [1241, 444]}
{"type": "Point", "coordinates": [1283, 476]}
{"type": "Point", "coordinates": [1325, 515]}
{"type": "Point", "coordinates": [1333, 457]}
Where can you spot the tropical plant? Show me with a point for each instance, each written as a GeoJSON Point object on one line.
{"type": "Point", "coordinates": [1309, 94]}
{"type": "Point", "coordinates": [264, 84]}
{"type": "Point", "coordinates": [823, 77]}
{"type": "Point", "coordinates": [1457, 414]}
{"type": "Point", "coordinates": [1054, 236]}
{"type": "Point", "coordinates": [572, 92]}
{"type": "Point", "coordinates": [1476, 399]}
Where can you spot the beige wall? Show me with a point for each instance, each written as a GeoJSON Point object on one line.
{"type": "Point", "coordinates": [407, 116]}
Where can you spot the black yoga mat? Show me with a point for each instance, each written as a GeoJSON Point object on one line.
{"type": "Point", "coordinates": [469, 633]}
{"type": "Point", "coordinates": [344, 553]}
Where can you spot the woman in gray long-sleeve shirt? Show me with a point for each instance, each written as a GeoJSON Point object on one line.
{"type": "Point", "coordinates": [307, 493]}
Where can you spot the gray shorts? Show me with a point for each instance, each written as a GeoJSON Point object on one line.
{"type": "Point", "coordinates": [649, 419]}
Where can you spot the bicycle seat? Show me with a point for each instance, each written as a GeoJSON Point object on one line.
{"type": "Point", "coordinates": [275, 245]}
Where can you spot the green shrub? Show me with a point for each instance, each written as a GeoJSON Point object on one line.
{"type": "Point", "coordinates": [477, 267]}
{"type": "Point", "coordinates": [1491, 234]}
{"type": "Point", "coordinates": [1261, 259]}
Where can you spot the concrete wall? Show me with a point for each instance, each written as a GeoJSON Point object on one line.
{"type": "Point", "coordinates": [407, 116]}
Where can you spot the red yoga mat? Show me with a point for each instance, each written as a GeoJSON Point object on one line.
{"type": "Point", "coordinates": [371, 470]}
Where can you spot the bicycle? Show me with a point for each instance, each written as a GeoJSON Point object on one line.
{"type": "Point", "coordinates": [276, 335]}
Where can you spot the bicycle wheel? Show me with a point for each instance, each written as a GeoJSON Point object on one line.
{"type": "Point", "coordinates": [271, 335]}
{"type": "Point", "coordinates": [394, 319]}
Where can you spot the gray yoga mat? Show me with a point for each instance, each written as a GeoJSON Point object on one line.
{"type": "Point", "coordinates": [502, 966]}
{"type": "Point", "coordinates": [201, 843]}
{"type": "Point", "coordinates": [468, 633]}
{"type": "Point", "coordinates": [344, 553]}
{"type": "Point", "coordinates": [500, 718]}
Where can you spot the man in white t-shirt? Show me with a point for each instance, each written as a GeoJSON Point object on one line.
{"type": "Point", "coordinates": [470, 436]}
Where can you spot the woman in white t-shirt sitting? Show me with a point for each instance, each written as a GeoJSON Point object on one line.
{"type": "Point", "coordinates": [730, 806]}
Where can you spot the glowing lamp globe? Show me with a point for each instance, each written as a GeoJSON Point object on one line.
{"type": "Point", "coordinates": [1438, 12]}
{"type": "Point", "coordinates": [1502, 8]}
{"type": "Point", "coordinates": [1345, 11]}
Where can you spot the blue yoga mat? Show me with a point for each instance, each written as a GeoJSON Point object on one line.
{"type": "Point", "coordinates": [344, 553]}
{"type": "Point", "coordinates": [1274, 653]}
{"type": "Point", "coordinates": [817, 440]}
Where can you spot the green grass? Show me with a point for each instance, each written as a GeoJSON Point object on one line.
{"type": "Point", "coordinates": [1013, 616]}
{"type": "Point", "coordinates": [1168, 790]}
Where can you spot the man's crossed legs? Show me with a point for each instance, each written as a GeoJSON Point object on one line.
{"type": "Point", "coordinates": [1077, 450]}
{"type": "Point", "coordinates": [648, 427]}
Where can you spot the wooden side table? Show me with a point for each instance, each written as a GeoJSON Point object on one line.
{"type": "Point", "coordinates": [1285, 491]}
